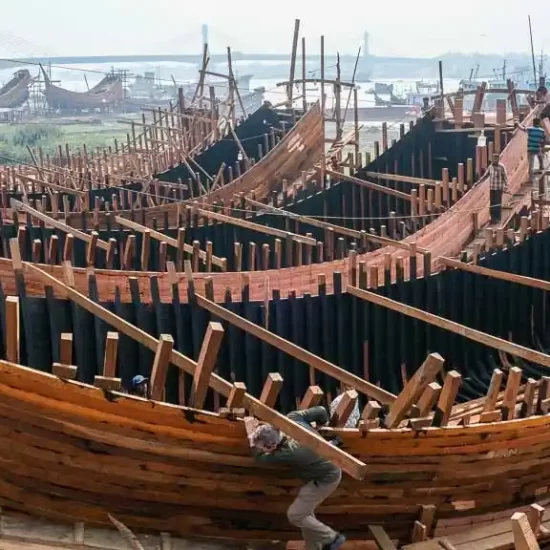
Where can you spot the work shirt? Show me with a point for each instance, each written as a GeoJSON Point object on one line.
{"type": "Point", "coordinates": [305, 463]}
{"type": "Point", "coordinates": [535, 139]}
{"type": "Point", "coordinates": [498, 178]}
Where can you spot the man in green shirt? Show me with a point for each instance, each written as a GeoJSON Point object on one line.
{"type": "Point", "coordinates": [322, 477]}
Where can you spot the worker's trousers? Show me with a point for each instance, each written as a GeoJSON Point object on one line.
{"type": "Point", "coordinates": [302, 514]}
{"type": "Point", "coordinates": [532, 157]}
{"type": "Point", "coordinates": [495, 209]}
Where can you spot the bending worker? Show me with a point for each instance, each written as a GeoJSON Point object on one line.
{"type": "Point", "coordinates": [321, 476]}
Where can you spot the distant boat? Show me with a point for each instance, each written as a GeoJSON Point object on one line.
{"type": "Point", "coordinates": [16, 91]}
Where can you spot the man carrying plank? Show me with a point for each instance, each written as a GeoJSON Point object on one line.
{"type": "Point", "coordinates": [322, 477]}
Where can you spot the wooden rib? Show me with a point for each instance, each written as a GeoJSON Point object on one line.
{"type": "Point", "coordinates": [414, 389]}
{"type": "Point", "coordinates": [111, 352]}
{"type": "Point", "coordinates": [178, 243]}
{"type": "Point", "coordinates": [271, 389]}
{"type": "Point", "coordinates": [452, 326]}
{"type": "Point", "coordinates": [255, 226]}
{"type": "Point", "coordinates": [206, 363]}
{"type": "Point", "coordinates": [160, 366]}
{"type": "Point", "coordinates": [348, 463]}
{"type": "Point", "coordinates": [17, 205]}
{"type": "Point", "coordinates": [338, 229]}
{"type": "Point", "coordinates": [12, 329]}
{"type": "Point", "coordinates": [312, 398]}
{"type": "Point", "coordinates": [297, 352]}
{"type": "Point", "coordinates": [511, 394]}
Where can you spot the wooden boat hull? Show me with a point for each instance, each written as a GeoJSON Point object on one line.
{"type": "Point", "coordinates": [16, 91]}
{"type": "Point", "coordinates": [71, 452]}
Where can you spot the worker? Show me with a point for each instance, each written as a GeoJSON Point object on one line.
{"type": "Point", "coordinates": [139, 386]}
{"type": "Point", "coordinates": [498, 183]}
{"type": "Point", "coordinates": [353, 418]}
{"type": "Point", "coordinates": [535, 146]}
{"type": "Point", "coordinates": [321, 476]}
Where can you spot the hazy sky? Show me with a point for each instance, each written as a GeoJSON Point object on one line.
{"type": "Point", "coordinates": [400, 27]}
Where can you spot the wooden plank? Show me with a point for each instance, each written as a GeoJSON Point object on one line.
{"type": "Point", "coordinates": [427, 518]}
{"type": "Point", "coordinates": [271, 389]}
{"type": "Point", "coordinates": [534, 516]}
{"type": "Point", "coordinates": [419, 532]}
{"type": "Point", "coordinates": [493, 391]}
{"type": "Point", "coordinates": [528, 403]}
{"type": "Point", "coordinates": [381, 538]}
{"type": "Point", "coordinates": [447, 398]}
{"type": "Point", "coordinates": [524, 538]}
{"type": "Point", "coordinates": [452, 326]}
{"type": "Point", "coordinates": [178, 243]}
{"type": "Point", "coordinates": [50, 222]}
{"type": "Point", "coordinates": [297, 352]}
{"type": "Point", "coordinates": [308, 438]}
{"type": "Point", "coordinates": [12, 329]}
{"type": "Point", "coordinates": [344, 408]}
{"type": "Point", "coordinates": [206, 363]}
{"type": "Point", "coordinates": [428, 399]}
{"type": "Point", "coordinates": [312, 398]}
{"type": "Point", "coordinates": [160, 366]}
{"type": "Point", "coordinates": [414, 389]}
{"type": "Point", "coordinates": [400, 177]}
{"type": "Point", "coordinates": [236, 396]}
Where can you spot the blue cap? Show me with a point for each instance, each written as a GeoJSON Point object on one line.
{"type": "Point", "coordinates": [138, 380]}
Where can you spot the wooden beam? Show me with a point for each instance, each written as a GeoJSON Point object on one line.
{"type": "Point", "coordinates": [160, 366]}
{"type": "Point", "coordinates": [256, 227]}
{"type": "Point", "coordinates": [170, 241]}
{"type": "Point", "coordinates": [400, 177]}
{"type": "Point", "coordinates": [297, 352]}
{"type": "Point", "coordinates": [428, 399]}
{"type": "Point", "coordinates": [524, 538]}
{"type": "Point", "coordinates": [344, 408]}
{"type": "Point", "coordinates": [111, 352]}
{"type": "Point", "coordinates": [66, 348]}
{"type": "Point", "coordinates": [496, 274]}
{"type": "Point", "coordinates": [206, 363]}
{"type": "Point", "coordinates": [452, 326]}
{"type": "Point", "coordinates": [271, 389]}
{"type": "Point", "coordinates": [369, 185]}
{"type": "Point", "coordinates": [12, 329]}
{"type": "Point", "coordinates": [511, 393]}
{"type": "Point", "coordinates": [236, 396]}
{"type": "Point", "coordinates": [67, 372]}
{"type": "Point", "coordinates": [308, 438]}
{"type": "Point", "coordinates": [493, 391]}
{"type": "Point", "coordinates": [50, 222]}
{"type": "Point", "coordinates": [413, 389]}
{"type": "Point", "coordinates": [447, 398]}
{"type": "Point", "coordinates": [381, 538]}
{"type": "Point", "coordinates": [317, 81]}
{"type": "Point", "coordinates": [312, 398]}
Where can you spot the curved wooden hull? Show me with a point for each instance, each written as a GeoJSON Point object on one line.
{"type": "Point", "coordinates": [71, 452]}
{"type": "Point", "coordinates": [16, 91]}
{"type": "Point", "coordinates": [107, 93]}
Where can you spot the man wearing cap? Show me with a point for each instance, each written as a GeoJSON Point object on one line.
{"type": "Point", "coordinates": [321, 476]}
{"type": "Point", "coordinates": [139, 386]}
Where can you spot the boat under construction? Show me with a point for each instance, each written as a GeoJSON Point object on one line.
{"type": "Point", "coordinates": [254, 267]}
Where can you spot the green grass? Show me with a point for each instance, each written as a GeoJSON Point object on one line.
{"type": "Point", "coordinates": [15, 138]}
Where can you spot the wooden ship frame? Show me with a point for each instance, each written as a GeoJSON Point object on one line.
{"type": "Point", "coordinates": [254, 294]}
